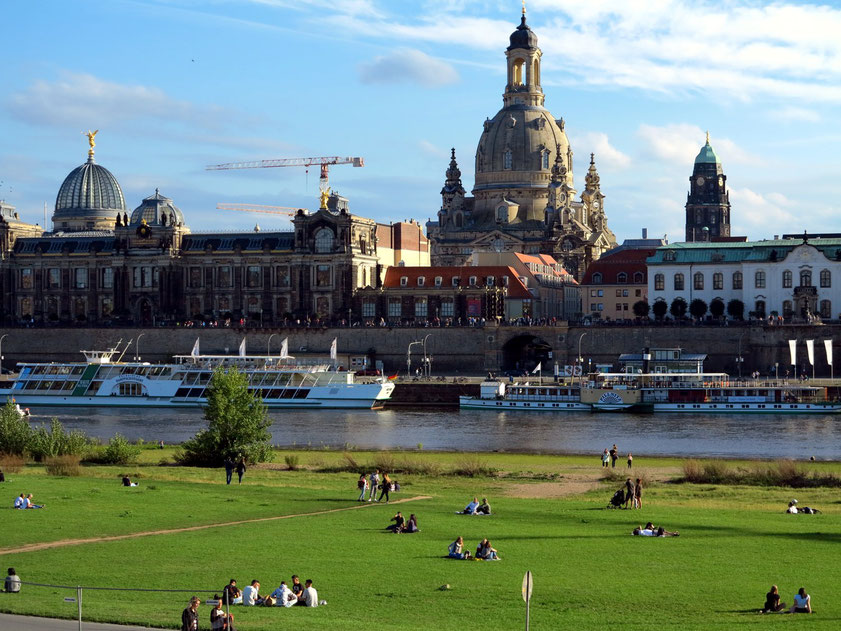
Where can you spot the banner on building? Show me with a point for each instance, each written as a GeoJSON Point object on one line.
{"type": "Point", "coordinates": [792, 349]}
{"type": "Point", "coordinates": [242, 348]}
{"type": "Point", "coordinates": [810, 349]}
{"type": "Point", "coordinates": [284, 348]}
{"type": "Point", "coordinates": [474, 307]}
{"type": "Point", "coordinates": [334, 348]}
{"type": "Point", "coordinates": [828, 346]}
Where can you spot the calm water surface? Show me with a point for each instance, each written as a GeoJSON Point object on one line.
{"type": "Point", "coordinates": [749, 436]}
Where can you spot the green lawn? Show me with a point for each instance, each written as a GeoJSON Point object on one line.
{"type": "Point", "coordinates": [588, 571]}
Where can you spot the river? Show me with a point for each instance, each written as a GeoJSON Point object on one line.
{"type": "Point", "coordinates": [703, 435]}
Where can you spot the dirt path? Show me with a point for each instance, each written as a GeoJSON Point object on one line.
{"type": "Point", "coordinates": [33, 547]}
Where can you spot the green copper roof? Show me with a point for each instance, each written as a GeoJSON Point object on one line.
{"type": "Point", "coordinates": [707, 155]}
{"type": "Point", "coordinates": [751, 251]}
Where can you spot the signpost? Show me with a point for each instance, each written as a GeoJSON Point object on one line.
{"type": "Point", "coordinates": [527, 585]}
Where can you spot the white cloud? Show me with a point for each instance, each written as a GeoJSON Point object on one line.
{"type": "Point", "coordinates": [410, 66]}
{"type": "Point", "coordinates": [433, 150]}
{"type": "Point", "coordinates": [606, 154]}
{"type": "Point", "coordinates": [83, 100]}
{"type": "Point", "coordinates": [762, 216]}
{"type": "Point", "coordinates": [796, 114]}
{"type": "Point", "coordinates": [679, 143]}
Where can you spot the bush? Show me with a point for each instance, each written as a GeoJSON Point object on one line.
{"type": "Point", "coordinates": [56, 441]}
{"type": "Point", "coordinates": [120, 451]}
{"type": "Point", "coordinates": [15, 432]}
{"type": "Point", "coordinates": [67, 465]}
{"type": "Point", "coordinates": [780, 473]}
{"type": "Point", "coordinates": [384, 461]}
{"type": "Point", "coordinates": [293, 462]}
{"type": "Point", "coordinates": [717, 307]}
{"type": "Point", "coordinates": [473, 466]}
{"type": "Point", "coordinates": [10, 463]}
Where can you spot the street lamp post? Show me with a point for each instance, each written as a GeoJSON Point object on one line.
{"type": "Point", "coordinates": [269, 344]}
{"type": "Point", "coordinates": [426, 359]}
{"type": "Point", "coordinates": [739, 358]}
{"type": "Point", "coordinates": [580, 360]}
{"type": "Point", "coordinates": [2, 337]}
{"type": "Point", "coordinates": [777, 371]}
{"type": "Point", "coordinates": [409, 357]}
{"type": "Point", "coordinates": [137, 347]}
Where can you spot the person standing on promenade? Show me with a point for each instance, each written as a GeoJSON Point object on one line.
{"type": "Point", "coordinates": [630, 460]}
{"type": "Point", "coordinates": [229, 469]}
{"type": "Point", "coordinates": [375, 482]}
{"type": "Point", "coordinates": [190, 616]}
{"type": "Point", "coordinates": [614, 454]}
{"type": "Point", "coordinates": [241, 469]}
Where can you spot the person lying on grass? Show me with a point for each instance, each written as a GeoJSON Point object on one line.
{"type": "Point", "coordinates": [127, 481]}
{"type": "Point", "coordinates": [794, 510]}
{"type": "Point", "coordinates": [651, 531]}
{"type": "Point", "coordinates": [486, 552]}
{"type": "Point", "coordinates": [802, 602]}
{"type": "Point", "coordinates": [457, 551]}
{"type": "Point", "coordinates": [772, 602]}
{"type": "Point", "coordinates": [398, 525]}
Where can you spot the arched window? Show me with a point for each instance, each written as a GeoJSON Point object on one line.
{"type": "Point", "coordinates": [458, 221]}
{"type": "Point", "coordinates": [759, 309]}
{"type": "Point", "coordinates": [787, 309]}
{"type": "Point", "coordinates": [718, 280]}
{"type": "Point", "coordinates": [759, 279]}
{"type": "Point", "coordinates": [535, 72]}
{"type": "Point", "coordinates": [502, 214]}
{"type": "Point", "coordinates": [786, 279]}
{"type": "Point", "coordinates": [597, 278]}
{"type": "Point", "coordinates": [698, 280]}
{"type": "Point", "coordinates": [324, 240]}
{"type": "Point", "coordinates": [659, 282]}
{"type": "Point", "coordinates": [639, 277]}
{"type": "Point", "coordinates": [678, 282]}
{"type": "Point", "coordinates": [805, 278]}
{"type": "Point", "coordinates": [544, 159]}
{"type": "Point", "coordinates": [826, 278]}
{"type": "Point", "coordinates": [737, 280]}
{"type": "Point", "coordinates": [507, 159]}
{"type": "Point", "coordinates": [622, 277]}
{"type": "Point", "coordinates": [517, 79]}
{"type": "Point", "coordinates": [826, 309]}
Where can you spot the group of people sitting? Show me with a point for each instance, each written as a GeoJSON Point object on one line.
{"type": "Point", "coordinates": [651, 530]}
{"type": "Point", "coordinates": [802, 602]}
{"type": "Point", "coordinates": [484, 551]}
{"type": "Point", "coordinates": [475, 508]}
{"type": "Point", "coordinates": [284, 596]}
{"type": "Point", "coordinates": [401, 526]}
{"type": "Point", "coordinates": [25, 501]}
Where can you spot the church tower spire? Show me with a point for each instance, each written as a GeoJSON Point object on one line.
{"type": "Point", "coordinates": [452, 196]}
{"type": "Point", "coordinates": [708, 201]}
{"type": "Point", "coordinates": [523, 57]}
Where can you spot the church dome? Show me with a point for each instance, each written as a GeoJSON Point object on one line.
{"type": "Point", "coordinates": [523, 37]}
{"type": "Point", "coordinates": [157, 210]}
{"type": "Point", "coordinates": [707, 155]}
{"type": "Point", "coordinates": [89, 197]}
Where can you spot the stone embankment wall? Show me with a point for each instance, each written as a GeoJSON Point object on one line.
{"type": "Point", "coordinates": [454, 351]}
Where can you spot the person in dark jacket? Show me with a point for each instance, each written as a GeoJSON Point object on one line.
{"type": "Point", "coordinates": [241, 469]}
{"type": "Point", "coordinates": [190, 616]}
{"type": "Point", "coordinates": [229, 469]}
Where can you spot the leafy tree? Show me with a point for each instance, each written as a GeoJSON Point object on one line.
{"type": "Point", "coordinates": [660, 308]}
{"type": "Point", "coordinates": [678, 308]}
{"type": "Point", "coordinates": [56, 441]}
{"type": "Point", "coordinates": [736, 309]}
{"type": "Point", "coordinates": [641, 308]}
{"type": "Point", "coordinates": [237, 424]}
{"type": "Point", "coordinates": [120, 451]}
{"type": "Point", "coordinates": [717, 307]}
{"type": "Point", "coordinates": [698, 308]}
{"type": "Point", "coordinates": [15, 431]}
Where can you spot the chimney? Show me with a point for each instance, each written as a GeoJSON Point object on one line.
{"type": "Point", "coordinates": [645, 233]}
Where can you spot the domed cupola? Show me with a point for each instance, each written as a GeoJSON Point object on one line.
{"type": "Point", "coordinates": [523, 37]}
{"type": "Point", "coordinates": [90, 197]}
{"type": "Point", "coordinates": [157, 210]}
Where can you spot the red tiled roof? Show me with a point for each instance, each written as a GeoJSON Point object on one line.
{"type": "Point", "coordinates": [516, 288]}
{"type": "Point", "coordinates": [545, 259]}
{"type": "Point", "coordinates": [628, 261]}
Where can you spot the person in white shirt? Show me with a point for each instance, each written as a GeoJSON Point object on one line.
{"type": "Point", "coordinates": [792, 507]}
{"type": "Point", "coordinates": [19, 500]}
{"type": "Point", "coordinates": [284, 596]}
{"type": "Point", "coordinates": [251, 594]}
{"type": "Point", "coordinates": [309, 595]}
{"type": "Point", "coordinates": [470, 509]}
{"type": "Point", "coordinates": [375, 481]}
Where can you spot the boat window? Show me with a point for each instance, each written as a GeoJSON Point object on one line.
{"type": "Point", "coordinates": [197, 392]}
{"type": "Point", "coordinates": [93, 388]}
{"type": "Point", "coordinates": [30, 385]}
{"type": "Point", "coordinates": [182, 392]}
{"type": "Point", "coordinates": [301, 393]}
{"type": "Point", "coordinates": [78, 370]}
{"type": "Point", "coordinates": [52, 370]}
{"type": "Point", "coordinates": [45, 385]}
{"type": "Point", "coordinates": [57, 385]}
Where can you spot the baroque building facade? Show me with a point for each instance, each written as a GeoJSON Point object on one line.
{"type": "Point", "coordinates": [524, 197]}
{"type": "Point", "coordinates": [102, 265]}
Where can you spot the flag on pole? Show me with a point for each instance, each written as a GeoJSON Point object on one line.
{"type": "Point", "coordinates": [792, 349]}
{"type": "Point", "coordinates": [284, 348]}
{"type": "Point", "coordinates": [810, 349]}
{"type": "Point", "coordinates": [333, 352]}
{"type": "Point", "coordinates": [537, 368]}
{"type": "Point", "coordinates": [828, 346]}
{"type": "Point", "coordinates": [242, 348]}
{"type": "Point", "coordinates": [195, 351]}
{"type": "Point", "coordinates": [393, 377]}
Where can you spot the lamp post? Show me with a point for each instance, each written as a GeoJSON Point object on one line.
{"type": "Point", "coordinates": [426, 359]}
{"type": "Point", "coordinates": [137, 347]}
{"type": "Point", "coordinates": [777, 371]}
{"type": "Point", "coordinates": [2, 337]}
{"type": "Point", "coordinates": [409, 357]}
{"type": "Point", "coordinates": [269, 344]}
{"type": "Point", "coordinates": [739, 359]}
{"type": "Point", "coordinates": [580, 359]}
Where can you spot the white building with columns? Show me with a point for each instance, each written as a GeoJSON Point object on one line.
{"type": "Point", "coordinates": [795, 277]}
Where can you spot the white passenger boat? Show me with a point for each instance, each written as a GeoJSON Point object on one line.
{"type": "Point", "coordinates": [103, 381]}
{"type": "Point", "coordinates": [549, 398]}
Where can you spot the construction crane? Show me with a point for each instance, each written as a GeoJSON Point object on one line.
{"type": "Point", "coordinates": [323, 162]}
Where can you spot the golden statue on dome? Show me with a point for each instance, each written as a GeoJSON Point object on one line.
{"type": "Point", "coordinates": [91, 135]}
{"type": "Point", "coordinates": [325, 195]}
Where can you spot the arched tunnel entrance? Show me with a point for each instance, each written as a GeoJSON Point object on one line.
{"type": "Point", "coordinates": [524, 352]}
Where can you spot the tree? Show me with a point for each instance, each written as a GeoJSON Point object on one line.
{"type": "Point", "coordinates": [678, 308]}
{"type": "Point", "coordinates": [717, 307]}
{"type": "Point", "coordinates": [698, 308]}
{"type": "Point", "coordinates": [641, 308]}
{"type": "Point", "coordinates": [736, 309]}
{"type": "Point", "coordinates": [15, 432]}
{"type": "Point", "coordinates": [237, 424]}
{"type": "Point", "coordinates": [660, 308]}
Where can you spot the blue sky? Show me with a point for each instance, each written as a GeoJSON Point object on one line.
{"type": "Point", "coordinates": [174, 85]}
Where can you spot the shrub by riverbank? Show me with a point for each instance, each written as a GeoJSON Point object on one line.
{"type": "Point", "coordinates": [779, 473]}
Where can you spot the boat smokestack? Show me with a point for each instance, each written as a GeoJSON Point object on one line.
{"type": "Point", "coordinates": [646, 359]}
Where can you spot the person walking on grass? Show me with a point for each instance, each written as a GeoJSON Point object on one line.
{"type": "Point", "coordinates": [190, 616]}
{"type": "Point", "coordinates": [375, 482]}
{"type": "Point", "coordinates": [229, 469]}
{"type": "Point", "coordinates": [638, 494]}
{"type": "Point", "coordinates": [386, 488]}
{"type": "Point", "coordinates": [630, 460]}
{"type": "Point", "coordinates": [362, 485]}
{"type": "Point", "coordinates": [240, 469]}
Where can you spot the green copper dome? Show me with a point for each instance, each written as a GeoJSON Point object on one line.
{"type": "Point", "coordinates": [707, 155]}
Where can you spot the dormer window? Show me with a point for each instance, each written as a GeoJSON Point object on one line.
{"type": "Point", "coordinates": [669, 255]}
{"type": "Point", "coordinates": [421, 281]}
{"type": "Point", "coordinates": [456, 281]}
{"type": "Point", "coordinates": [489, 281]}
{"type": "Point", "coordinates": [404, 281]}
{"type": "Point", "coordinates": [597, 278]}
{"type": "Point", "coordinates": [638, 277]}
{"type": "Point", "coordinates": [438, 281]}
{"type": "Point", "coordinates": [622, 277]}
{"type": "Point", "coordinates": [472, 281]}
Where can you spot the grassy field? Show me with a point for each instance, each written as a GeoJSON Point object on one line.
{"type": "Point", "coordinates": [550, 518]}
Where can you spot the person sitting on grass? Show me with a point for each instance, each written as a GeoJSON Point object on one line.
{"type": "Point", "coordinates": [219, 620]}
{"type": "Point", "coordinates": [12, 584]}
{"type": "Point", "coordinates": [772, 602]}
{"type": "Point", "coordinates": [231, 594]}
{"type": "Point", "coordinates": [297, 588]}
{"type": "Point", "coordinates": [309, 597]}
{"type": "Point", "coordinates": [802, 602]}
{"type": "Point", "coordinates": [457, 551]}
{"type": "Point", "coordinates": [486, 552]}
{"type": "Point", "coordinates": [411, 525]}
{"type": "Point", "coordinates": [484, 508]}
{"type": "Point", "coordinates": [471, 508]}
{"type": "Point", "coordinates": [127, 481]}
{"type": "Point", "coordinates": [398, 525]}
{"type": "Point", "coordinates": [29, 503]}
{"type": "Point", "coordinates": [284, 596]}
{"type": "Point", "coordinates": [251, 594]}
{"type": "Point", "coordinates": [20, 500]}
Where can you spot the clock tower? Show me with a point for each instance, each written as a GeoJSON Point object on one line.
{"type": "Point", "coordinates": [708, 202]}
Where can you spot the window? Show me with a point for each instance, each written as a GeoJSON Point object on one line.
{"type": "Point", "coordinates": [54, 278]}
{"type": "Point", "coordinates": [787, 309]}
{"type": "Point", "coordinates": [322, 306]}
{"type": "Point", "coordinates": [639, 277]}
{"type": "Point", "coordinates": [718, 280]}
{"type": "Point", "coordinates": [404, 281]}
{"type": "Point", "coordinates": [786, 279]}
{"type": "Point", "coordinates": [826, 309]}
{"type": "Point", "coordinates": [826, 278]}
{"type": "Point", "coordinates": [592, 293]}
{"type": "Point", "coordinates": [472, 281]}
{"type": "Point", "coordinates": [195, 277]}
{"type": "Point", "coordinates": [600, 293]}
{"type": "Point", "coordinates": [597, 278]}
{"type": "Point", "coordinates": [108, 278]}
{"type": "Point", "coordinates": [638, 292]}
{"type": "Point", "coordinates": [26, 307]}
{"type": "Point", "coordinates": [447, 307]}
{"type": "Point", "coordinates": [759, 279]}
{"type": "Point", "coordinates": [223, 276]}
{"type": "Point", "coordinates": [420, 307]}
{"type": "Point", "coordinates": [678, 282]}
{"type": "Point", "coordinates": [659, 282]}
{"type": "Point", "coordinates": [438, 281]}
{"type": "Point", "coordinates": [507, 159]}
{"type": "Point", "coordinates": [80, 280]}
{"type": "Point", "coordinates": [489, 281]}
{"type": "Point", "coordinates": [26, 278]}
{"type": "Point", "coordinates": [759, 308]}
{"type": "Point", "coordinates": [322, 276]}
{"type": "Point", "coordinates": [252, 276]}
{"type": "Point", "coordinates": [737, 280]}
{"type": "Point", "coordinates": [395, 308]}
{"type": "Point", "coordinates": [369, 308]}
{"type": "Point", "coordinates": [282, 276]}
{"type": "Point", "coordinates": [618, 293]}
{"type": "Point", "coordinates": [324, 240]}
{"type": "Point", "coordinates": [195, 306]}
{"type": "Point", "coordinates": [545, 160]}
{"type": "Point", "coordinates": [805, 278]}
{"type": "Point", "coordinates": [502, 214]}
{"type": "Point", "coordinates": [106, 307]}
{"type": "Point", "coordinates": [456, 281]}
{"type": "Point", "coordinates": [143, 276]}
{"type": "Point", "coordinates": [421, 281]}
{"type": "Point", "coordinates": [600, 307]}
{"type": "Point", "coordinates": [621, 278]}
{"type": "Point", "coordinates": [669, 255]}
{"type": "Point", "coordinates": [624, 293]}
{"type": "Point", "coordinates": [698, 280]}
